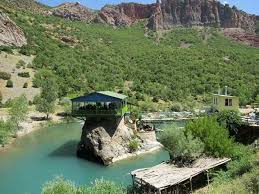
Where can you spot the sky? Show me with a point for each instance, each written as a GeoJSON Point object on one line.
{"type": "Point", "coordinates": [250, 6]}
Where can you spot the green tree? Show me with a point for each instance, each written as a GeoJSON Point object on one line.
{"type": "Point", "coordinates": [230, 119]}
{"type": "Point", "coordinates": [214, 136]}
{"type": "Point", "coordinates": [19, 110]}
{"type": "Point", "coordinates": [181, 146]}
{"type": "Point", "coordinates": [5, 132]}
{"type": "Point", "coordinates": [45, 102]}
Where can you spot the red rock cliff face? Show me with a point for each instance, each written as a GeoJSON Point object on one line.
{"type": "Point", "coordinates": [172, 13]}
{"type": "Point", "coordinates": [125, 14]}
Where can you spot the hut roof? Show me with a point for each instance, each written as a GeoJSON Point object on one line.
{"type": "Point", "coordinates": [165, 174]}
{"type": "Point", "coordinates": [101, 96]}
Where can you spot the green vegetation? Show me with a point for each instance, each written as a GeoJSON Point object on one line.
{"type": "Point", "coordinates": [45, 102]}
{"type": "Point", "coordinates": [9, 83]}
{"type": "Point", "coordinates": [25, 85]}
{"type": "Point", "coordinates": [207, 133]}
{"type": "Point", "coordinates": [230, 120]}
{"type": "Point", "coordinates": [24, 74]}
{"type": "Point", "coordinates": [181, 146]}
{"type": "Point", "coordinates": [61, 186]}
{"type": "Point", "coordinates": [133, 145]}
{"type": "Point", "coordinates": [18, 110]}
{"type": "Point", "coordinates": [148, 70]}
{"type": "Point", "coordinates": [4, 75]}
{"type": "Point", "coordinates": [5, 132]}
{"type": "Point", "coordinates": [20, 64]}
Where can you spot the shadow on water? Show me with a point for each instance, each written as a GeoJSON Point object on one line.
{"type": "Point", "coordinates": [68, 149]}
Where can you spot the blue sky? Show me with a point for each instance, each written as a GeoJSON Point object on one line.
{"type": "Point", "coordinates": [250, 6]}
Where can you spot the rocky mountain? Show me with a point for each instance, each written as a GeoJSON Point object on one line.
{"type": "Point", "coordinates": [173, 13]}
{"type": "Point", "coordinates": [125, 14]}
{"type": "Point", "coordinates": [162, 15]}
{"type": "Point", "coordinates": [73, 11]}
{"type": "Point", "coordinates": [10, 33]}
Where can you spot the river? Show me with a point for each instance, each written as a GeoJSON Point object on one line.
{"type": "Point", "coordinates": [40, 156]}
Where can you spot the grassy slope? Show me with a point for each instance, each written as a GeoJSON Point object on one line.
{"type": "Point", "coordinates": [105, 58]}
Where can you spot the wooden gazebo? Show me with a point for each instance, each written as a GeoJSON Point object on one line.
{"type": "Point", "coordinates": [102, 103]}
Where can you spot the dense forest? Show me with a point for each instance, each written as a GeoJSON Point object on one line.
{"type": "Point", "coordinates": [186, 63]}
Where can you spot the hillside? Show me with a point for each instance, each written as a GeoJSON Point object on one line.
{"type": "Point", "coordinates": [186, 63]}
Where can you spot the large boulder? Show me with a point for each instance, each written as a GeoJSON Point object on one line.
{"type": "Point", "coordinates": [10, 33]}
{"type": "Point", "coordinates": [103, 141]}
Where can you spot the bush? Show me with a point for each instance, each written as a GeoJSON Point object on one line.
{"type": "Point", "coordinates": [25, 85]}
{"type": "Point", "coordinates": [177, 107]}
{"type": "Point", "coordinates": [61, 186]}
{"type": "Point", "coordinates": [133, 145]}
{"type": "Point", "coordinates": [215, 137]}
{"type": "Point", "coordinates": [230, 120]}
{"type": "Point", "coordinates": [9, 84]}
{"type": "Point", "coordinates": [181, 145]}
{"type": "Point", "coordinates": [5, 75]}
{"type": "Point", "coordinates": [5, 131]}
{"type": "Point", "coordinates": [20, 64]}
{"type": "Point", "coordinates": [248, 183]}
{"type": "Point", "coordinates": [24, 74]}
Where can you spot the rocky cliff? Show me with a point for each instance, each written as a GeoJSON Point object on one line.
{"type": "Point", "coordinates": [172, 13]}
{"type": "Point", "coordinates": [73, 11]}
{"type": "Point", "coordinates": [125, 14]}
{"type": "Point", "coordinates": [10, 33]}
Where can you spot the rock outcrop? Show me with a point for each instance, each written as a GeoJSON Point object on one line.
{"type": "Point", "coordinates": [102, 141]}
{"type": "Point", "coordinates": [73, 11]}
{"type": "Point", "coordinates": [241, 36]}
{"type": "Point", "coordinates": [10, 33]}
{"type": "Point", "coordinates": [173, 13]}
{"type": "Point", "coordinates": [125, 14]}
{"type": "Point", "coordinates": [107, 141]}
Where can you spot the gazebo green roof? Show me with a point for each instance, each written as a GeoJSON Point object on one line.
{"type": "Point", "coordinates": [101, 96]}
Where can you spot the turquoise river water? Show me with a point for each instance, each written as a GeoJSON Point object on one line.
{"type": "Point", "coordinates": [40, 156]}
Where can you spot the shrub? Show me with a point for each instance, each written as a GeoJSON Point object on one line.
{"type": "Point", "coordinates": [105, 187]}
{"type": "Point", "coordinates": [20, 64]}
{"type": "Point", "coordinates": [230, 120]}
{"type": "Point", "coordinates": [5, 75]}
{"type": "Point", "coordinates": [24, 74]}
{"type": "Point", "coordinates": [215, 137]}
{"type": "Point", "coordinates": [9, 83]}
{"type": "Point", "coordinates": [25, 85]}
{"type": "Point", "coordinates": [133, 145]}
{"type": "Point", "coordinates": [177, 107]}
{"type": "Point", "coordinates": [61, 186]}
{"type": "Point", "coordinates": [181, 145]}
{"type": "Point", "coordinates": [5, 131]}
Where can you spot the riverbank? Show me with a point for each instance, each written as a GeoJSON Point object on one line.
{"type": "Point", "coordinates": [34, 122]}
